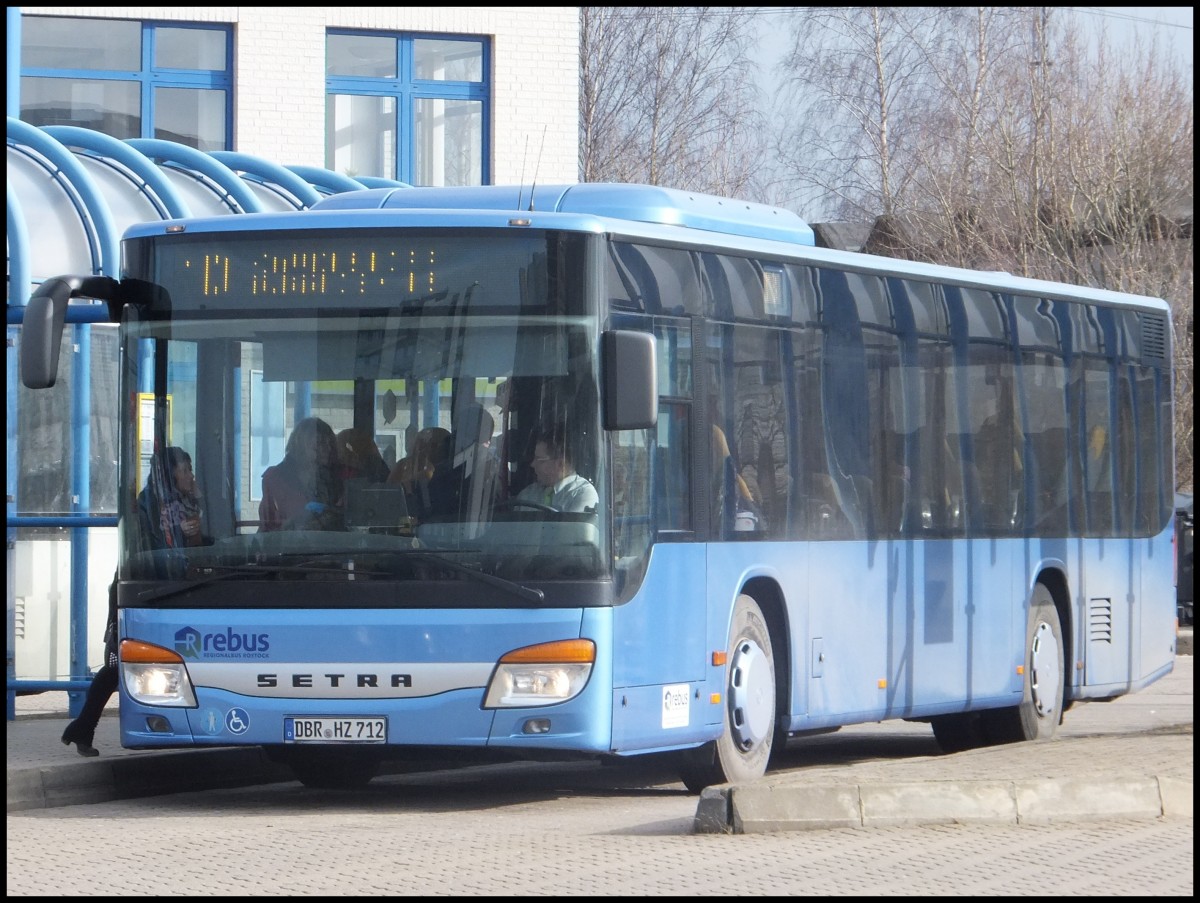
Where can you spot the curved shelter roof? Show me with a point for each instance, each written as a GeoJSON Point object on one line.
{"type": "Point", "coordinates": [72, 193]}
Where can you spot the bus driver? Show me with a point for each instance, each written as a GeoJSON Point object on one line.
{"type": "Point", "coordinates": [557, 483]}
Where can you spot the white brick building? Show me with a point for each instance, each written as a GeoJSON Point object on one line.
{"type": "Point", "coordinates": [279, 74]}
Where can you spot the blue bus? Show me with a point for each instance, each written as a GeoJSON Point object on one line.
{"type": "Point", "coordinates": [829, 488]}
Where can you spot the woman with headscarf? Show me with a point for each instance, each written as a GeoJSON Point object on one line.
{"type": "Point", "coordinates": [169, 504]}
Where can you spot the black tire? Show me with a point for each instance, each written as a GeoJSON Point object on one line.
{"type": "Point", "coordinates": [1041, 708]}
{"type": "Point", "coordinates": [742, 751]}
{"type": "Point", "coordinates": [333, 769]}
{"type": "Point", "coordinates": [959, 731]}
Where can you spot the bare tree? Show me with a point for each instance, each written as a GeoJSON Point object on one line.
{"type": "Point", "coordinates": [1002, 138]}
{"type": "Point", "coordinates": [668, 98]}
{"type": "Point", "coordinates": [854, 88]}
{"type": "Point", "coordinates": [1078, 168]}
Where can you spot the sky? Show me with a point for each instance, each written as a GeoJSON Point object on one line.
{"type": "Point", "coordinates": [1171, 24]}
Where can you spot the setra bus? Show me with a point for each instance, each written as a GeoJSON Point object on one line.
{"type": "Point", "coordinates": [829, 487]}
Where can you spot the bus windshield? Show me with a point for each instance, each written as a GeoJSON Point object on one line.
{"type": "Point", "coordinates": [413, 442]}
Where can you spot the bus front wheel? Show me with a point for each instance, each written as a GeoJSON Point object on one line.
{"type": "Point", "coordinates": [742, 751]}
{"type": "Point", "coordinates": [1041, 708]}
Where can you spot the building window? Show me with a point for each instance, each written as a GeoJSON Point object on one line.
{"type": "Point", "coordinates": [408, 108]}
{"type": "Point", "coordinates": [129, 79]}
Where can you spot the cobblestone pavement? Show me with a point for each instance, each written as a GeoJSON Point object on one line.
{"type": "Point", "coordinates": [431, 838]}
{"type": "Point", "coordinates": [1128, 758]}
{"type": "Point", "coordinates": [566, 829]}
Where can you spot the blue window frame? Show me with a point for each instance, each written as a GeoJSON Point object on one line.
{"type": "Point", "coordinates": [129, 79]}
{"type": "Point", "coordinates": [411, 107]}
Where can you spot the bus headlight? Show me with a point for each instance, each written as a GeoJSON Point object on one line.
{"type": "Point", "coordinates": [155, 676]}
{"type": "Point", "coordinates": [541, 675]}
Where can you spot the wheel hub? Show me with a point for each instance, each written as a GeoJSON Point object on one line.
{"type": "Point", "coordinates": [751, 695]}
{"type": "Point", "coordinates": [1046, 667]}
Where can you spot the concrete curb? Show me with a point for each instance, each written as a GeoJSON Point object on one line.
{"type": "Point", "coordinates": [758, 809]}
{"type": "Point", "coordinates": [103, 780]}
{"type": "Point", "coordinates": [1183, 641]}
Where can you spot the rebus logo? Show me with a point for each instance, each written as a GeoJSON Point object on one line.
{"type": "Point", "coordinates": [187, 642]}
{"type": "Point", "coordinates": [192, 644]}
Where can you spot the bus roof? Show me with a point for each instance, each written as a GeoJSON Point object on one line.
{"type": "Point", "coordinates": [636, 203]}
{"type": "Point", "coordinates": [647, 212]}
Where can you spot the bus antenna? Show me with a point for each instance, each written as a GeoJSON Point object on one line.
{"type": "Point", "coordinates": [536, 167]}
{"type": "Point", "coordinates": [521, 187]}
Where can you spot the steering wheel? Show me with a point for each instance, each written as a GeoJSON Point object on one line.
{"type": "Point", "coordinates": [526, 503]}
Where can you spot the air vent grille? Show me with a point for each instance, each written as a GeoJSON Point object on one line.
{"type": "Point", "coordinates": [1100, 621]}
{"type": "Point", "coordinates": [1154, 338]}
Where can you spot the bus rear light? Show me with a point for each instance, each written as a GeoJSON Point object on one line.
{"type": "Point", "coordinates": [544, 674]}
{"type": "Point", "coordinates": [153, 675]}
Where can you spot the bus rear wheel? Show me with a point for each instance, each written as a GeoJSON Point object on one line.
{"type": "Point", "coordinates": [1041, 708]}
{"type": "Point", "coordinates": [742, 751]}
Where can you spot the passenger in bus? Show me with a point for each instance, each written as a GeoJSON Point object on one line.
{"type": "Point", "coordinates": [557, 485]}
{"type": "Point", "coordinates": [304, 490]}
{"type": "Point", "coordinates": [745, 512]}
{"type": "Point", "coordinates": [360, 456]}
{"type": "Point", "coordinates": [169, 504]}
{"type": "Point", "coordinates": [998, 445]}
{"type": "Point", "coordinates": [430, 449]}
{"type": "Point", "coordinates": [464, 485]}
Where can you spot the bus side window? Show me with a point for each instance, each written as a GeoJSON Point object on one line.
{"type": "Point", "coordinates": [672, 492]}
{"type": "Point", "coordinates": [826, 511]}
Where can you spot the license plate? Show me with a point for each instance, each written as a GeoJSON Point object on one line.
{"type": "Point", "coordinates": [334, 730]}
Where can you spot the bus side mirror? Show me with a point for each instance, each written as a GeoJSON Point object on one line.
{"type": "Point", "coordinates": [41, 333]}
{"type": "Point", "coordinates": [42, 324]}
{"type": "Point", "coordinates": [630, 380]}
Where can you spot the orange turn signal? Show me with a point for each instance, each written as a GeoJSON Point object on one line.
{"type": "Point", "coordinates": [557, 651]}
{"type": "Point", "coordinates": [147, 653]}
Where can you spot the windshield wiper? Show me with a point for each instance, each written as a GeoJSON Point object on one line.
{"type": "Point", "coordinates": [250, 570]}
{"type": "Point", "coordinates": [528, 593]}
{"type": "Point", "coordinates": [230, 571]}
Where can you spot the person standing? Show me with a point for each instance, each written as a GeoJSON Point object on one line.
{"type": "Point", "coordinates": [82, 730]}
{"type": "Point", "coordinates": [169, 512]}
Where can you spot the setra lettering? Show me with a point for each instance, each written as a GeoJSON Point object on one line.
{"type": "Point", "coordinates": [336, 681]}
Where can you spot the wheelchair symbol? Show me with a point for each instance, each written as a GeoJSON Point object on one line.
{"type": "Point", "coordinates": [237, 721]}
